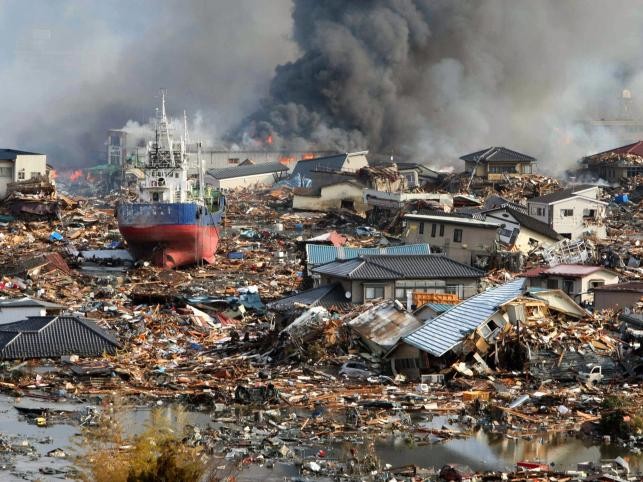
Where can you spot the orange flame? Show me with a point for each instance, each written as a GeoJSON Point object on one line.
{"type": "Point", "coordinates": [287, 160]}
{"type": "Point", "coordinates": [269, 139]}
{"type": "Point", "coordinates": [308, 155]}
{"type": "Point", "coordinates": [75, 175]}
{"type": "Point", "coordinates": [53, 174]}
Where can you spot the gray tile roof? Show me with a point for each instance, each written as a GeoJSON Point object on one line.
{"type": "Point", "coordinates": [401, 266]}
{"type": "Point", "coordinates": [27, 302]}
{"type": "Point", "coordinates": [326, 296]}
{"type": "Point", "coordinates": [317, 254]}
{"type": "Point", "coordinates": [532, 223]}
{"type": "Point", "coordinates": [444, 332]}
{"type": "Point", "coordinates": [52, 337]}
{"type": "Point", "coordinates": [306, 167]}
{"type": "Point", "coordinates": [247, 170]}
{"type": "Point", "coordinates": [560, 195]}
{"type": "Point", "coordinates": [497, 154]}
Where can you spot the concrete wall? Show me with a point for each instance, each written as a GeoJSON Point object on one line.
{"type": "Point", "coordinates": [576, 224]}
{"type": "Point", "coordinates": [6, 176]}
{"type": "Point", "coordinates": [9, 315]}
{"type": "Point", "coordinates": [475, 240]}
{"type": "Point", "coordinates": [30, 165]}
{"type": "Point", "coordinates": [615, 299]}
{"type": "Point", "coordinates": [331, 197]}
{"type": "Point", "coordinates": [246, 181]}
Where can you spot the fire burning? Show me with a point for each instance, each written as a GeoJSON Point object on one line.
{"type": "Point", "coordinates": [53, 174]}
{"type": "Point", "coordinates": [287, 160]}
{"type": "Point", "coordinates": [75, 175]}
{"type": "Point", "coordinates": [269, 140]}
{"type": "Point", "coordinates": [308, 155]}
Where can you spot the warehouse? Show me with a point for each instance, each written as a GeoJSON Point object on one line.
{"type": "Point", "coordinates": [247, 175]}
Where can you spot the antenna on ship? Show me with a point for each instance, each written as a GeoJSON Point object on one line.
{"type": "Point", "coordinates": [186, 136]}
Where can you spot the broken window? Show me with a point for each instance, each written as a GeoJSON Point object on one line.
{"type": "Point", "coordinates": [457, 235]}
{"type": "Point", "coordinates": [596, 283]}
{"type": "Point", "coordinates": [589, 213]}
{"type": "Point", "coordinates": [568, 286]}
{"type": "Point", "coordinates": [348, 204]}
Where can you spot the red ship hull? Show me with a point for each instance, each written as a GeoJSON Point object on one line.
{"type": "Point", "coordinates": [171, 246]}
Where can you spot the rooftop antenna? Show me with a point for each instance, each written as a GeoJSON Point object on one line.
{"type": "Point", "coordinates": [185, 129]}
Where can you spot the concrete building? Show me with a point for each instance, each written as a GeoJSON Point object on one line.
{"type": "Point", "coordinates": [116, 147]}
{"type": "Point", "coordinates": [494, 163]}
{"type": "Point", "coordinates": [347, 194]}
{"type": "Point", "coordinates": [577, 280]}
{"type": "Point", "coordinates": [618, 296]}
{"type": "Point", "coordinates": [519, 230]}
{"type": "Point", "coordinates": [463, 239]}
{"type": "Point", "coordinates": [398, 276]}
{"type": "Point", "coordinates": [246, 175]}
{"type": "Point", "coordinates": [571, 212]}
{"type": "Point", "coordinates": [19, 166]}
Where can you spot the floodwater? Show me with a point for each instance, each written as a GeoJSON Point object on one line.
{"type": "Point", "coordinates": [480, 451]}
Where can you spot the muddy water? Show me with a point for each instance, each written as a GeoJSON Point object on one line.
{"type": "Point", "coordinates": [480, 451]}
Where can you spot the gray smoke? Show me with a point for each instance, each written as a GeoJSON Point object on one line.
{"type": "Point", "coordinates": [73, 69]}
{"type": "Point", "coordinates": [433, 80]}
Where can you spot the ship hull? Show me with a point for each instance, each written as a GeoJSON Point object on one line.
{"type": "Point", "coordinates": [169, 235]}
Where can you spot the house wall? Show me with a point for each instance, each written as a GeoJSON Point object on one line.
{"type": "Point", "coordinates": [577, 224]}
{"type": "Point", "coordinates": [580, 285]}
{"type": "Point", "coordinates": [615, 299]}
{"type": "Point", "coordinates": [9, 315]}
{"type": "Point", "coordinates": [523, 241]}
{"type": "Point", "coordinates": [355, 162]}
{"type": "Point", "coordinates": [6, 176]}
{"type": "Point", "coordinates": [475, 240]}
{"type": "Point", "coordinates": [246, 181]}
{"type": "Point", "coordinates": [331, 197]}
{"type": "Point", "coordinates": [30, 165]}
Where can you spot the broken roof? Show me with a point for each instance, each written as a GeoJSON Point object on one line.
{"type": "Point", "coordinates": [562, 194]}
{"type": "Point", "coordinates": [382, 326]}
{"type": "Point", "coordinates": [335, 162]}
{"type": "Point", "coordinates": [401, 266]}
{"type": "Point", "coordinates": [528, 222]}
{"type": "Point", "coordinates": [27, 302]}
{"type": "Point", "coordinates": [632, 286]}
{"type": "Point", "coordinates": [327, 296]}
{"type": "Point", "coordinates": [497, 154]}
{"type": "Point", "coordinates": [636, 148]}
{"type": "Point", "coordinates": [444, 332]}
{"type": "Point", "coordinates": [55, 336]}
{"type": "Point", "coordinates": [317, 254]}
{"type": "Point", "coordinates": [247, 170]}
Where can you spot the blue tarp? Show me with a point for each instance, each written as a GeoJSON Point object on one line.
{"type": "Point", "coordinates": [56, 236]}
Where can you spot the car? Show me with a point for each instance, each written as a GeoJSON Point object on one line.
{"type": "Point", "coordinates": [366, 231]}
{"type": "Point", "coordinates": [594, 375]}
{"type": "Point", "coordinates": [354, 369]}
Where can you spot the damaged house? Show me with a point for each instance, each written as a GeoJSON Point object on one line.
{"type": "Point", "coordinates": [466, 240]}
{"type": "Point", "coordinates": [344, 194]}
{"type": "Point", "coordinates": [577, 280]}
{"type": "Point", "coordinates": [391, 277]}
{"type": "Point", "coordinates": [324, 170]}
{"type": "Point", "coordinates": [571, 212]}
{"type": "Point", "coordinates": [496, 163]}
{"type": "Point", "coordinates": [617, 164]}
{"type": "Point", "coordinates": [17, 166]}
{"type": "Point", "coordinates": [519, 230]}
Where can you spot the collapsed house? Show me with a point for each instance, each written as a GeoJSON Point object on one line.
{"type": "Point", "coordinates": [616, 165]}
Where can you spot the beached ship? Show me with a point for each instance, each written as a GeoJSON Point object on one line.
{"type": "Point", "coordinates": [175, 220]}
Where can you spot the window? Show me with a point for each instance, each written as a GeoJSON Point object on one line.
{"type": "Point", "coordinates": [589, 213]}
{"type": "Point", "coordinates": [456, 290]}
{"type": "Point", "coordinates": [35, 175]}
{"type": "Point", "coordinates": [441, 230]}
{"type": "Point", "coordinates": [568, 286]}
{"type": "Point", "coordinates": [233, 160]}
{"type": "Point", "coordinates": [405, 364]}
{"type": "Point", "coordinates": [552, 284]}
{"type": "Point", "coordinates": [457, 235]}
{"type": "Point", "coordinates": [372, 292]}
{"type": "Point", "coordinates": [5, 171]}
{"type": "Point", "coordinates": [596, 283]}
{"type": "Point", "coordinates": [538, 211]}
{"type": "Point", "coordinates": [506, 232]}
{"type": "Point", "coordinates": [21, 175]}
{"type": "Point", "coordinates": [634, 171]}
{"type": "Point", "coordinates": [433, 229]}
{"type": "Point", "coordinates": [501, 169]}
{"type": "Point", "coordinates": [566, 212]}
{"type": "Point", "coordinates": [421, 228]}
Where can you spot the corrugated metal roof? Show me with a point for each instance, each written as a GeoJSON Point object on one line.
{"type": "Point", "coordinates": [247, 170]}
{"type": "Point", "coordinates": [399, 266]}
{"type": "Point", "coordinates": [444, 332]}
{"type": "Point", "coordinates": [317, 254]}
{"type": "Point", "coordinates": [439, 307]}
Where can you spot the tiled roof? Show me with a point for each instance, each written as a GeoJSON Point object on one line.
{"type": "Point", "coordinates": [463, 220]}
{"type": "Point", "coordinates": [317, 254]}
{"type": "Point", "coordinates": [391, 267]}
{"type": "Point", "coordinates": [497, 154]}
{"type": "Point", "coordinates": [27, 302]}
{"type": "Point", "coordinates": [52, 337]}
{"type": "Point", "coordinates": [444, 332]}
{"type": "Point", "coordinates": [247, 170]}
{"type": "Point", "coordinates": [560, 195]}
{"type": "Point", "coordinates": [326, 296]}
{"type": "Point", "coordinates": [635, 148]}
{"type": "Point", "coordinates": [528, 222]}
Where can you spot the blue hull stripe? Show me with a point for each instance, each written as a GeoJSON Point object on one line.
{"type": "Point", "coordinates": [148, 214]}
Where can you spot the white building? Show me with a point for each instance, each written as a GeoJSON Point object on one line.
{"type": "Point", "coordinates": [246, 175]}
{"type": "Point", "coordinates": [116, 147]}
{"type": "Point", "coordinates": [571, 212]}
{"type": "Point", "coordinates": [20, 309]}
{"type": "Point", "coordinates": [19, 166]}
